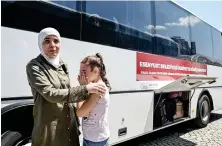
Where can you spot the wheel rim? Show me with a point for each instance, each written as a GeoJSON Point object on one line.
{"type": "Point", "coordinates": [24, 142]}
{"type": "Point", "coordinates": [204, 111]}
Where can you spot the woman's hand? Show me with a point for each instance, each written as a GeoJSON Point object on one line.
{"type": "Point", "coordinates": [83, 80]}
{"type": "Point", "coordinates": [97, 88]}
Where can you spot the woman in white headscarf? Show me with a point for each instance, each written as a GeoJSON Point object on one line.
{"type": "Point", "coordinates": [55, 120]}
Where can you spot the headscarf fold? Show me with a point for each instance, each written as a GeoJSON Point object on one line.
{"type": "Point", "coordinates": [42, 35]}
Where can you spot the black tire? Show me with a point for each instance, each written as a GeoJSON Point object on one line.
{"type": "Point", "coordinates": [203, 111]}
{"type": "Point", "coordinates": [10, 138]}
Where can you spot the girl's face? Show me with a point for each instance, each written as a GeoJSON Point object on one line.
{"type": "Point", "coordinates": [51, 46]}
{"type": "Point", "coordinates": [92, 74]}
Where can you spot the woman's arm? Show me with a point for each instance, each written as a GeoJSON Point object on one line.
{"type": "Point", "coordinates": [87, 105]}
{"type": "Point", "coordinates": [39, 81]}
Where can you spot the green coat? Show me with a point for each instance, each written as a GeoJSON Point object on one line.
{"type": "Point", "coordinates": [55, 121]}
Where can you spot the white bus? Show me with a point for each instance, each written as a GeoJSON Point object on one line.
{"type": "Point", "coordinates": [147, 48]}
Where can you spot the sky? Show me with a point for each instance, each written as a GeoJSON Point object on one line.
{"type": "Point", "coordinates": [210, 11]}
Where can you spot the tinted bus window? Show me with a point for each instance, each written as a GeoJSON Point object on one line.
{"type": "Point", "coordinates": [166, 46]}
{"type": "Point", "coordinates": [204, 60]}
{"type": "Point", "coordinates": [36, 15]}
{"type": "Point", "coordinates": [218, 62]}
{"type": "Point", "coordinates": [172, 23]}
{"type": "Point", "coordinates": [123, 24]}
{"type": "Point", "coordinates": [201, 36]}
{"type": "Point", "coordinates": [217, 44]}
{"type": "Point", "coordinates": [68, 4]}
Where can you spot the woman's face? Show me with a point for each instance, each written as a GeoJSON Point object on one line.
{"type": "Point", "coordinates": [51, 46]}
{"type": "Point", "coordinates": [88, 72]}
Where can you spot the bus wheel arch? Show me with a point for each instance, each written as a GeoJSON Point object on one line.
{"type": "Point", "coordinates": [204, 108]}
{"type": "Point", "coordinates": [17, 122]}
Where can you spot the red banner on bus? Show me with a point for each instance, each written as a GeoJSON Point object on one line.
{"type": "Point", "coordinates": [154, 67]}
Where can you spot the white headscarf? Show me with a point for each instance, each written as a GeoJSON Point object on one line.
{"type": "Point", "coordinates": [42, 35]}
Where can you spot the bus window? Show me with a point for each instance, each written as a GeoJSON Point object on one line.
{"type": "Point", "coordinates": [128, 38]}
{"type": "Point", "coordinates": [98, 30]}
{"type": "Point", "coordinates": [43, 14]}
{"type": "Point", "coordinates": [205, 60]}
{"type": "Point", "coordinates": [217, 44]}
{"type": "Point", "coordinates": [145, 40]}
{"type": "Point", "coordinates": [129, 23]}
{"type": "Point", "coordinates": [68, 4]}
{"type": "Point", "coordinates": [173, 23]}
{"type": "Point", "coordinates": [166, 46]}
{"type": "Point", "coordinates": [201, 35]}
{"type": "Point", "coordinates": [218, 62]}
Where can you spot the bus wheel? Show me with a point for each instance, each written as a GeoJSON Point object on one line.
{"type": "Point", "coordinates": [10, 138]}
{"type": "Point", "coordinates": [25, 142]}
{"type": "Point", "coordinates": [203, 112]}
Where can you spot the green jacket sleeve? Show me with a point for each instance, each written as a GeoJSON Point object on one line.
{"type": "Point", "coordinates": [39, 81]}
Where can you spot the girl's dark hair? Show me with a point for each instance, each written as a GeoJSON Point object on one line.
{"type": "Point", "coordinates": [97, 61]}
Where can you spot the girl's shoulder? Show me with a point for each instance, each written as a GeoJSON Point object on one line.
{"type": "Point", "coordinates": [103, 84]}
{"type": "Point", "coordinates": [107, 89]}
